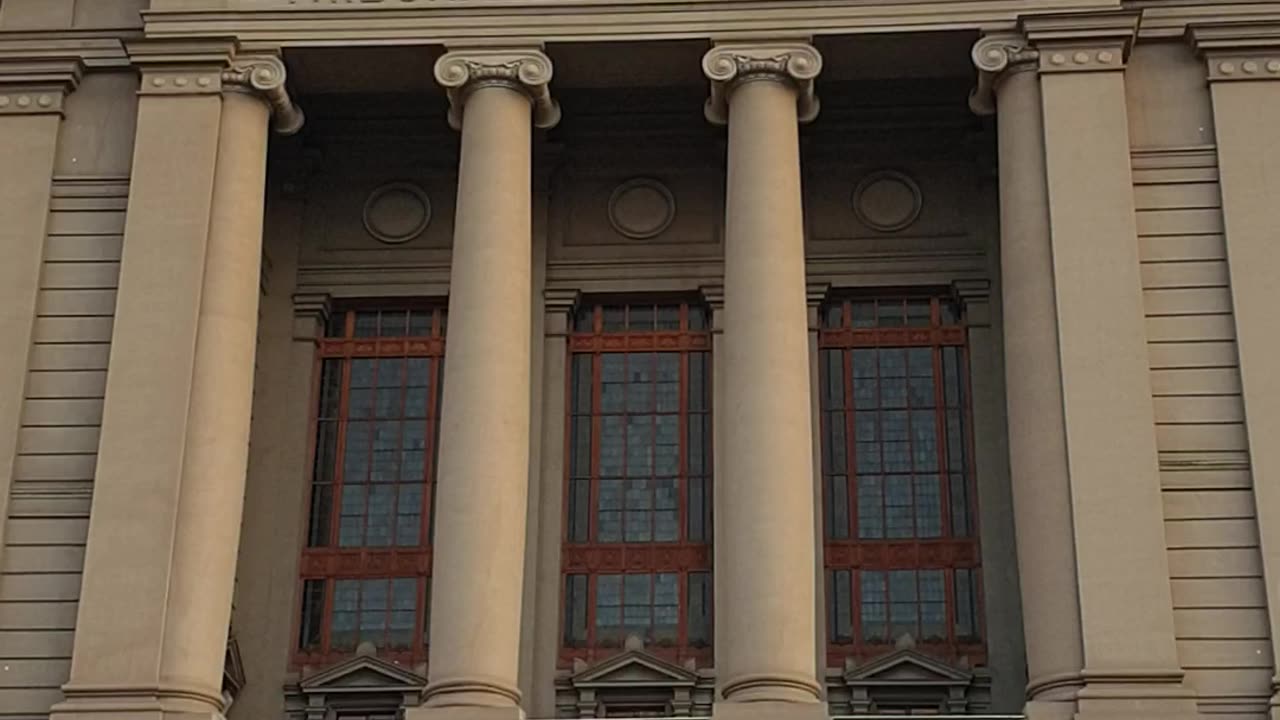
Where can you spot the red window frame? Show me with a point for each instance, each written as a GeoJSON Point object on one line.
{"type": "Point", "coordinates": [411, 332]}
{"type": "Point", "coordinates": [948, 552]}
{"type": "Point", "coordinates": [603, 328]}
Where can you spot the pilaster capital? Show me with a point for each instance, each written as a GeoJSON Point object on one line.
{"type": "Point", "coordinates": [815, 293]}
{"type": "Point", "coordinates": [713, 295]}
{"type": "Point", "coordinates": [560, 299]}
{"type": "Point", "coordinates": [975, 295]}
{"type": "Point", "coordinates": [32, 86]}
{"type": "Point", "coordinates": [994, 55]}
{"type": "Point", "coordinates": [265, 75]}
{"type": "Point", "coordinates": [1238, 51]}
{"type": "Point", "coordinates": [310, 315]}
{"type": "Point", "coordinates": [528, 70]}
{"type": "Point", "coordinates": [181, 67]}
{"type": "Point", "coordinates": [729, 64]}
{"type": "Point", "coordinates": [1082, 42]}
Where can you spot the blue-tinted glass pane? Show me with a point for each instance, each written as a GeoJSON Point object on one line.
{"type": "Point", "coordinates": [612, 443]}
{"type": "Point", "coordinates": [928, 506]}
{"type": "Point", "coordinates": [924, 440]}
{"type": "Point", "coordinates": [837, 520]}
{"type": "Point", "coordinates": [899, 515]}
{"type": "Point", "coordinates": [870, 507]}
{"type": "Point", "coordinates": [874, 609]}
{"type": "Point", "coordinates": [640, 440]}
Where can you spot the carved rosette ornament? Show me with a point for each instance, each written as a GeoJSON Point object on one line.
{"type": "Point", "coordinates": [460, 72]}
{"type": "Point", "coordinates": [993, 56]}
{"type": "Point", "coordinates": [265, 76]}
{"type": "Point", "coordinates": [728, 65]}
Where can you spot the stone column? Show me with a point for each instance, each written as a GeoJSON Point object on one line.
{"type": "Point", "coordinates": [764, 533]}
{"type": "Point", "coordinates": [217, 434]}
{"type": "Point", "coordinates": [165, 522]}
{"type": "Point", "coordinates": [496, 96]}
{"type": "Point", "coordinates": [1127, 630]}
{"type": "Point", "coordinates": [1244, 81]}
{"type": "Point", "coordinates": [1041, 483]}
{"type": "Point", "coordinates": [31, 99]}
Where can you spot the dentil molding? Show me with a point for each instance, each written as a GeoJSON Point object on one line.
{"type": "Point", "coordinates": [1082, 42]}
{"type": "Point", "coordinates": [728, 64]}
{"type": "Point", "coordinates": [526, 69]}
{"type": "Point", "coordinates": [37, 86]}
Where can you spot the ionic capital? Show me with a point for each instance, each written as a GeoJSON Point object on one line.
{"type": "Point", "coordinates": [265, 75]}
{"type": "Point", "coordinates": [1238, 51]}
{"type": "Point", "coordinates": [994, 55]}
{"type": "Point", "coordinates": [730, 64]}
{"type": "Point", "coordinates": [525, 69]}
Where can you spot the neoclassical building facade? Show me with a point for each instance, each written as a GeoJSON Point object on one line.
{"type": "Point", "coordinates": [743, 359]}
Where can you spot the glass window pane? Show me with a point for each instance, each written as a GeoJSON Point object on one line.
{"type": "Point", "coordinates": [336, 327]}
{"type": "Point", "coordinates": [833, 316]}
{"type": "Point", "coordinates": [928, 506]}
{"type": "Point", "coordinates": [640, 318]}
{"type": "Point", "coordinates": [831, 377]}
{"type": "Point", "coordinates": [841, 603]}
{"type": "Point", "coordinates": [889, 313]}
{"type": "Point", "coordinates": [933, 606]}
{"type": "Point", "coordinates": [581, 403]}
{"type": "Point", "coordinates": [613, 377]}
{"type": "Point", "coordinates": [966, 605]}
{"type": "Point", "coordinates": [924, 440]}
{"type": "Point", "coordinates": [874, 612]}
{"type": "Point", "coordinates": [614, 319]}
{"type": "Point", "coordinates": [640, 437]}
{"type": "Point", "coordinates": [899, 514]}
{"type": "Point", "coordinates": [321, 515]}
{"type": "Point", "coordinates": [612, 442]}
{"type": "Point", "coordinates": [835, 449]}
{"type": "Point", "coordinates": [579, 509]}
{"type": "Point", "coordinates": [870, 508]}
{"type": "Point", "coordinates": [420, 323]}
{"type": "Point", "coordinates": [918, 313]}
{"type": "Point", "coordinates": [584, 319]}
{"type": "Point", "coordinates": [575, 610]}
{"type": "Point", "coordinates": [697, 318]}
{"type": "Point", "coordinates": [864, 314]}
{"type": "Point", "coordinates": [837, 507]}
{"type": "Point", "coordinates": [903, 608]}
{"type": "Point", "coordinates": [960, 511]}
{"type": "Point", "coordinates": [366, 324]}
{"type": "Point", "coordinates": [351, 523]}
{"type": "Point", "coordinates": [668, 317]}
{"type": "Point", "coordinates": [312, 615]}
{"type": "Point", "coordinates": [699, 609]}
{"type": "Point", "coordinates": [330, 387]}
{"type": "Point", "coordinates": [394, 323]}
{"type": "Point", "coordinates": [641, 374]}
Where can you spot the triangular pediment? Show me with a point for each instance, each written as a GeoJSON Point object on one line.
{"type": "Point", "coordinates": [634, 668]}
{"type": "Point", "coordinates": [907, 667]}
{"type": "Point", "coordinates": [363, 673]}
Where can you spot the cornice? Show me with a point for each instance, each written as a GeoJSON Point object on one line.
{"type": "Point", "coordinates": [1238, 51]}
{"type": "Point", "coordinates": [94, 50]}
{"type": "Point", "coordinates": [529, 70]}
{"type": "Point", "coordinates": [379, 22]}
{"type": "Point", "coordinates": [1166, 19]}
{"type": "Point", "coordinates": [728, 64]}
{"type": "Point", "coordinates": [1082, 42]}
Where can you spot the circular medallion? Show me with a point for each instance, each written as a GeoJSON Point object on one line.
{"type": "Point", "coordinates": [641, 208]}
{"type": "Point", "coordinates": [887, 200]}
{"type": "Point", "coordinates": [397, 212]}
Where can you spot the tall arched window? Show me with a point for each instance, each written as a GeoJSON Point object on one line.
{"type": "Point", "coordinates": [367, 560]}
{"type": "Point", "coordinates": [901, 550]}
{"type": "Point", "coordinates": [637, 531]}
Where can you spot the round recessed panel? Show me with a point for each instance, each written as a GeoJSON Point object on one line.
{"type": "Point", "coordinates": [887, 201]}
{"type": "Point", "coordinates": [641, 208]}
{"type": "Point", "coordinates": [397, 213]}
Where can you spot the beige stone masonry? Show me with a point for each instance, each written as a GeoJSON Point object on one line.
{"type": "Point", "coordinates": [1130, 658]}
{"type": "Point", "coordinates": [497, 96]}
{"type": "Point", "coordinates": [764, 530]}
{"type": "Point", "coordinates": [1243, 66]}
{"type": "Point", "coordinates": [1041, 485]}
{"type": "Point", "coordinates": [32, 91]}
{"type": "Point", "coordinates": [165, 523]}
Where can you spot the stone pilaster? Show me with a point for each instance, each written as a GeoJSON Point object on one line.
{"type": "Point", "coordinates": [1243, 67]}
{"type": "Point", "coordinates": [164, 528]}
{"type": "Point", "coordinates": [32, 92]}
{"type": "Point", "coordinates": [1130, 657]}
{"type": "Point", "coordinates": [557, 305]}
{"type": "Point", "coordinates": [496, 97]}
{"type": "Point", "coordinates": [1040, 480]}
{"type": "Point", "coordinates": [764, 531]}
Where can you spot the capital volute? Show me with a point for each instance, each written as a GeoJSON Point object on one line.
{"type": "Point", "coordinates": [1238, 51]}
{"type": "Point", "coordinates": [995, 55]}
{"type": "Point", "coordinates": [730, 64]}
{"type": "Point", "coordinates": [265, 76]}
{"type": "Point", "coordinates": [460, 72]}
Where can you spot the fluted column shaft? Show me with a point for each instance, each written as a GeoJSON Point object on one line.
{"type": "Point", "coordinates": [217, 444]}
{"type": "Point", "coordinates": [484, 434]}
{"type": "Point", "coordinates": [765, 611]}
{"type": "Point", "coordinates": [1037, 435]}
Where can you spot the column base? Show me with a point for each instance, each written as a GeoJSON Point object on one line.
{"type": "Point", "coordinates": [112, 703]}
{"type": "Point", "coordinates": [1049, 710]}
{"type": "Point", "coordinates": [769, 710]}
{"type": "Point", "coordinates": [464, 712]}
{"type": "Point", "coordinates": [1136, 699]}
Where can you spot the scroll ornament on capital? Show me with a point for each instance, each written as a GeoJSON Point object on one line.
{"type": "Point", "coordinates": [994, 55]}
{"type": "Point", "coordinates": [460, 72]}
{"type": "Point", "coordinates": [265, 76]}
{"type": "Point", "coordinates": [729, 64]}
